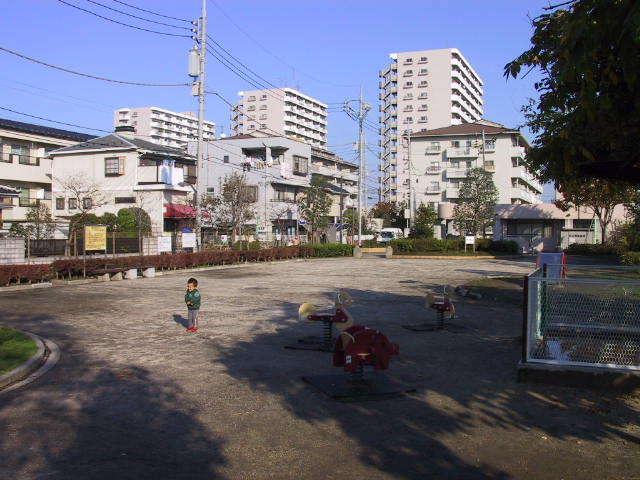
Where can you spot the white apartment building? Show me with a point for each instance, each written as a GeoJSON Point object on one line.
{"type": "Point", "coordinates": [164, 127]}
{"type": "Point", "coordinates": [26, 167]}
{"type": "Point", "coordinates": [440, 159]}
{"type": "Point", "coordinates": [281, 111]}
{"type": "Point", "coordinates": [422, 90]}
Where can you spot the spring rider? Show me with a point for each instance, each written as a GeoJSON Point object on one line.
{"type": "Point", "coordinates": [444, 307]}
{"type": "Point", "coordinates": [355, 348]}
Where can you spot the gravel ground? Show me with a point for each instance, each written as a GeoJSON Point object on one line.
{"type": "Point", "coordinates": [135, 396]}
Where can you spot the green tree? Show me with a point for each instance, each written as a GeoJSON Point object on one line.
{"type": "Point", "coordinates": [589, 105]}
{"type": "Point", "coordinates": [79, 220]}
{"type": "Point", "coordinates": [389, 213]}
{"type": "Point", "coordinates": [423, 222]}
{"type": "Point", "coordinates": [126, 221]}
{"type": "Point", "coordinates": [600, 196]}
{"type": "Point", "coordinates": [39, 223]}
{"type": "Point", "coordinates": [110, 220]}
{"type": "Point", "coordinates": [314, 204]}
{"type": "Point", "coordinates": [478, 196]}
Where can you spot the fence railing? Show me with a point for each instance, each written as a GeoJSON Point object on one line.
{"type": "Point", "coordinates": [583, 316]}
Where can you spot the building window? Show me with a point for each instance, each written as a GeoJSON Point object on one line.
{"type": "Point", "coordinates": [300, 165]}
{"type": "Point", "coordinates": [87, 203]}
{"type": "Point", "coordinates": [408, 84]}
{"type": "Point", "coordinates": [423, 95]}
{"type": "Point", "coordinates": [408, 120]}
{"type": "Point", "coordinates": [408, 96]}
{"type": "Point", "coordinates": [408, 60]}
{"type": "Point", "coordinates": [263, 96]}
{"type": "Point", "coordinates": [251, 108]}
{"type": "Point", "coordinates": [408, 73]}
{"type": "Point", "coordinates": [124, 200]}
{"type": "Point", "coordinates": [263, 107]}
{"type": "Point", "coordinates": [252, 98]}
{"type": "Point", "coordinates": [250, 193]}
{"type": "Point", "coordinates": [423, 119]}
{"type": "Point", "coordinates": [424, 71]}
{"type": "Point", "coordinates": [73, 203]}
{"type": "Point", "coordinates": [23, 153]}
{"type": "Point", "coordinates": [59, 203]}
{"type": "Point", "coordinates": [263, 116]}
{"type": "Point", "coordinates": [423, 84]}
{"type": "Point", "coordinates": [225, 159]}
{"type": "Point", "coordinates": [252, 126]}
{"type": "Point", "coordinates": [114, 166]}
{"type": "Point", "coordinates": [424, 60]}
{"type": "Point", "coordinates": [582, 223]}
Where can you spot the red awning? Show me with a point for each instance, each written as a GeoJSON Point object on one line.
{"type": "Point", "coordinates": [179, 211]}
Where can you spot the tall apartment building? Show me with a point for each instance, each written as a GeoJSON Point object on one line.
{"type": "Point", "coordinates": [164, 127]}
{"type": "Point", "coordinates": [441, 158]}
{"type": "Point", "coordinates": [422, 90]}
{"type": "Point", "coordinates": [281, 111]}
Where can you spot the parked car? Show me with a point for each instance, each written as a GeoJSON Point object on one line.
{"type": "Point", "coordinates": [388, 234]}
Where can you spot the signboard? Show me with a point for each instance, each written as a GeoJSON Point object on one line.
{"type": "Point", "coordinates": [95, 237]}
{"type": "Point", "coordinates": [189, 240]}
{"type": "Point", "coordinates": [164, 243]}
{"type": "Point", "coordinates": [469, 240]}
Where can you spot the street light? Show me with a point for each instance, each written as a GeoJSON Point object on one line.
{"type": "Point", "coordinates": [407, 136]}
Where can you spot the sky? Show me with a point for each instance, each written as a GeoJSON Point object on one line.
{"type": "Point", "coordinates": [327, 49]}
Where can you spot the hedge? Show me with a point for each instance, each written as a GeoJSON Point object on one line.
{"type": "Point", "coordinates": [325, 250]}
{"type": "Point", "coordinates": [592, 249]}
{"type": "Point", "coordinates": [408, 245]}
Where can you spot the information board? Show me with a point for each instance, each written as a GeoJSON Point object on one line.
{"type": "Point", "coordinates": [95, 237]}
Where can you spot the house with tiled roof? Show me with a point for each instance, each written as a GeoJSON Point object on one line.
{"type": "Point", "coordinates": [25, 167]}
{"type": "Point", "coordinates": [124, 171]}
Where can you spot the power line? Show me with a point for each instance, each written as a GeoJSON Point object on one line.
{"type": "Point", "coordinates": [152, 13]}
{"type": "Point", "coordinates": [53, 121]}
{"type": "Point", "coordinates": [139, 18]}
{"type": "Point", "coordinates": [122, 23]}
{"type": "Point", "coordinates": [93, 76]}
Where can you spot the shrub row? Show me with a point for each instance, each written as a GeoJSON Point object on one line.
{"type": "Point", "coordinates": [407, 245]}
{"type": "Point", "coordinates": [630, 258]}
{"type": "Point", "coordinates": [592, 249]}
{"type": "Point", "coordinates": [332, 250]}
{"type": "Point", "coordinates": [24, 273]}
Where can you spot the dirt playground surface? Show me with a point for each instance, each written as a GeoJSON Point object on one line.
{"type": "Point", "coordinates": [135, 396]}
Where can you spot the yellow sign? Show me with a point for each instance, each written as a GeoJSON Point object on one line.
{"type": "Point", "coordinates": [95, 237]}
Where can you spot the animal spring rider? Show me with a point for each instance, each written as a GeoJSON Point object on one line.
{"type": "Point", "coordinates": [357, 345]}
{"type": "Point", "coordinates": [444, 306]}
{"type": "Point", "coordinates": [308, 313]}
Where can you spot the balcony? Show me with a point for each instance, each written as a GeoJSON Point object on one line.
{"type": "Point", "coordinates": [433, 190]}
{"type": "Point", "coordinates": [517, 152]}
{"type": "Point", "coordinates": [432, 150]}
{"type": "Point", "coordinates": [457, 172]}
{"type": "Point", "coordinates": [522, 174]}
{"type": "Point", "coordinates": [433, 170]}
{"type": "Point", "coordinates": [525, 196]}
{"type": "Point", "coordinates": [452, 193]}
{"type": "Point", "coordinates": [466, 152]}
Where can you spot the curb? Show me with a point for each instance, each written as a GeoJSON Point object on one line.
{"type": "Point", "coordinates": [41, 362]}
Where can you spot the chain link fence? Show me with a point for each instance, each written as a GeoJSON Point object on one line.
{"type": "Point", "coordinates": [583, 315]}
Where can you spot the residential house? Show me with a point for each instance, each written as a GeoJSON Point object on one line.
{"type": "Point", "coordinates": [128, 172]}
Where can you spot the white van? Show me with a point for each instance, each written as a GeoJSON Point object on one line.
{"type": "Point", "coordinates": [388, 234]}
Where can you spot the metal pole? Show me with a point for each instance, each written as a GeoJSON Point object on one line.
{"type": "Point", "coordinates": [201, 97]}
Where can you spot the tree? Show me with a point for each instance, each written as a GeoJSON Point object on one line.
{"type": "Point", "coordinates": [600, 196]}
{"type": "Point", "coordinates": [126, 222]}
{"type": "Point", "coordinates": [478, 197]}
{"type": "Point", "coordinates": [389, 213]}
{"type": "Point", "coordinates": [237, 203]}
{"type": "Point", "coordinates": [38, 226]}
{"type": "Point", "coordinates": [589, 105]}
{"type": "Point", "coordinates": [314, 204]}
{"type": "Point", "coordinates": [87, 195]}
{"type": "Point", "coordinates": [423, 222]}
{"type": "Point", "coordinates": [210, 206]}
{"type": "Point", "coordinates": [110, 220]}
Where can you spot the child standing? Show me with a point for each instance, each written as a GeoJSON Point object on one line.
{"type": "Point", "coordinates": [192, 299]}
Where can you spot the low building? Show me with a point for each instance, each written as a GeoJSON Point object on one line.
{"type": "Point", "coordinates": [121, 170]}
{"type": "Point", "coordinates": [544, 227]}
{"type": "Point", "coordinates": [26, 167]}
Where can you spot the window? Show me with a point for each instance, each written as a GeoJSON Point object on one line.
{"type": "Point", "coordinates": [263, 96]}
{"type": "Point", "coordinates": [252, 98]}
{"type": "Point", "coordinates": [408, 84]}
{"type": "Point", "coordinates": [424, 60]}
{"type": "Point", "coordinates": [408, 120]}
{"type": "Point", "coordinates": [73, 203]}
{"type": "Point", "coordinates": [423, 119]}
{"type": "Point", "coordinates": [433, 187]}
{"type": "Point", "coordinates": [408, 73]}
{"type": "Point", "coordinates": [3, 157]}
{"type": "Point", "coordinates": [251, 108]}
{"type": "Point", "coordinates": [59, 203]}
{"type": "Point", "coordinates": [424, 71]}
{"type": "Point", "coordinates": [408, 96]}
{"type": "Point", "coordinates": [114, 166]}
{"type": "Point", "coordinates": [263, 107]}
{"type": "Point", "coordinates": [23, 154]}
{"type": "Point", "coordinates": [250, 193]}
{"type": "Point", "coordinates": [423, 84]}
{"type": "Point", "coordinates": [87, 203]}
{"type": "Point", "coordinates": [300, 165]}
{"type": "Point", "coordinates": [423, 95]}
{"type": "Point", "coordinates": [408, 60]}
{"type": "Point", "coordinates": [211, 191]}
{"type": "Point", "coordinates": [252, 126]}
{"type": "Point", "coordinates": [263, 116]}
{"type": "Point", "coordinates": [225, 159]}
{"type": "Point", "coordinates": [424, 107]}
{"type": "Point", "coordinates": [124, 200]}
{"type": "Point", "coordinates": [408, 108]}
{"type": "Point", "coordinates": [455, 143]}
{"type": "Point", "coordinates": [581, 223]}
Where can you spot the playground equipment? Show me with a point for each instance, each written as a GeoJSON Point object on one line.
{"type": "Point", "coordinates": [341, 318]}
{"type": "Point", "coordinates": [444, 307]}
{"type": "Point", "coordinates": [355, 348]}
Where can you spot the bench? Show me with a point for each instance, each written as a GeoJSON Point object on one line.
{"type": "Point", "coordinates": [107, 273]}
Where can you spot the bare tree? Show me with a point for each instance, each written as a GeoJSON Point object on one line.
{"type": "Point", "coordinates": [87, 195]}
{"type": "Point", "coordinates": [237, 203]}
{"type": "Point", "coordinates": [280, 215]}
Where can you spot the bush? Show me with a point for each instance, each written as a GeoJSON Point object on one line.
{"type": "Point", "coordinates": [255, 245]}
{"type": "Point", "coordinates": [592, 249]}
{"type": "Point", "coordinates": [324, 250]}
{"type": "Point", "coordinates": [630, 258]}
{"type": "Point", "coordinates": [22, 273]}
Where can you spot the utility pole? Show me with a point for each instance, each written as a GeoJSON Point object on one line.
{"type": "Point", "coordinates": [363, 109]}
{"type": "Point", "coordinates": [197, 68]}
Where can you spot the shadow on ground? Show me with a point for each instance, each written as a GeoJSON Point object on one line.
{"type": "Point", "coordinates": [468, 404]}
{"type": "Point", "coordinates": [100, 422]}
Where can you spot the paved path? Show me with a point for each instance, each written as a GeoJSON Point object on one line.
{"type": "Point", "coordinates": [135, 397]}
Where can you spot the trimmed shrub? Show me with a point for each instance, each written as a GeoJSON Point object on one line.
{"type": "Point", "coordinates": [630, 258]}
{"type": "Point", "coordinates": [324, 250]}
{"type": "Point", "coordinates": [592, 249]}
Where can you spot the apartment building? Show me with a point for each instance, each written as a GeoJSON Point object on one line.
{"type": "Point", "coordinates": [163, 127]}
{"type": "Point", "coordinates": [422, 90]}
{"type": "Point", "coordinates": [25, 167]}
{"type": "Point", "coordinates": [277, 169]}
{"type": "Point", "coordinates": [281, 111]}
{"type": "Point", "coordinates": [119, 171]}
{"type": "Point", "coordinates": [440, 159]}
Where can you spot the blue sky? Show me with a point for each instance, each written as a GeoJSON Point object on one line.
{"type": "Point", "coordinates": [327, 49]}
